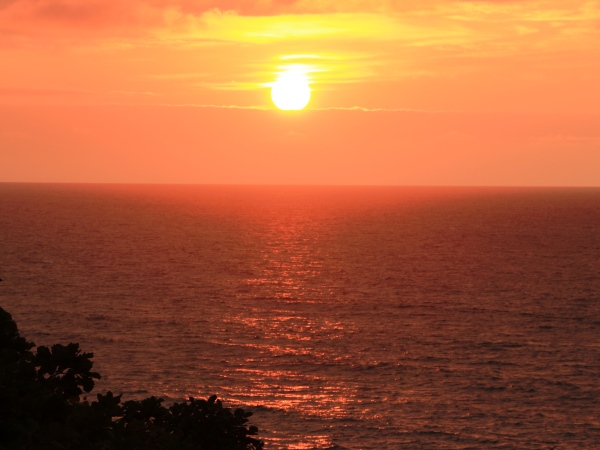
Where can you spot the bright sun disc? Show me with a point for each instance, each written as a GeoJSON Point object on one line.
{"type": "Point", "coordinates": [291, 91]}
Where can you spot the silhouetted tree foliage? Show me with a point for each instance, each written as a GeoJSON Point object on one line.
{"type": "Point", "coordinates": [41, 407]}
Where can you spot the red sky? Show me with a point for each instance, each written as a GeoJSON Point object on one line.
{"type": "Point", "coordinates": [431, 92]}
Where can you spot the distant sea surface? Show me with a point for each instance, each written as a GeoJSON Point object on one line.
{"type": "Point", "coordinates": [343, 317]}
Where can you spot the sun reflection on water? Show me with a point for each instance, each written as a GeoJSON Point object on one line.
{"type": "Point", "coordinates": [283, 335]}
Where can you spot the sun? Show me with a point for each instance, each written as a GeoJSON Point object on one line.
{"type": "Point", "coordinates": [291, 91]}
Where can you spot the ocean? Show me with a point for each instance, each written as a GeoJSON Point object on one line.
{"type": "Point", "coordinates": [343, 317]}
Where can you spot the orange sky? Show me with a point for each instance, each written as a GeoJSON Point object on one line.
{"type": "Point", "coordinates": [403, 92]}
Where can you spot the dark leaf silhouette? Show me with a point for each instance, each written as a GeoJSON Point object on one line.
{"type": "Point", "coordinates": [41, 407]}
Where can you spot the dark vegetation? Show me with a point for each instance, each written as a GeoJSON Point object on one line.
{"type": "Point", "coordinates": [41, 407]}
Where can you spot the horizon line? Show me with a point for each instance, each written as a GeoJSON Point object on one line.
{"type": "Point", "coordinates": [137, 183]}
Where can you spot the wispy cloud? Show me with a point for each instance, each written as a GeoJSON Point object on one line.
{"type": "Point", "coordinates": [364, 109]}
{"type": "Point", "coordinates": [35, 92]}
{"type": "Point", "coordinates": [308, 109]}
{"type": "Point", "coordinates": [193, 105]}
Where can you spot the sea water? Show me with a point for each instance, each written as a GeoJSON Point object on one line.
{"type": "Point", "coordinates": [343, 317]}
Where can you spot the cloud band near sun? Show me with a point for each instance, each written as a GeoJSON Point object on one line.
{"type": "Point", "coordinates": [181, 49]}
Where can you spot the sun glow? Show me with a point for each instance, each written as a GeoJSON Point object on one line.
{"type": "Point", "coordinates": [291, 91]}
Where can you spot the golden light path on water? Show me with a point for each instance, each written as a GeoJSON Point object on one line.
{"type": "Point", "coordinates": [279, 352]}
{"type": "Point", "coordinates": [287, 271]}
